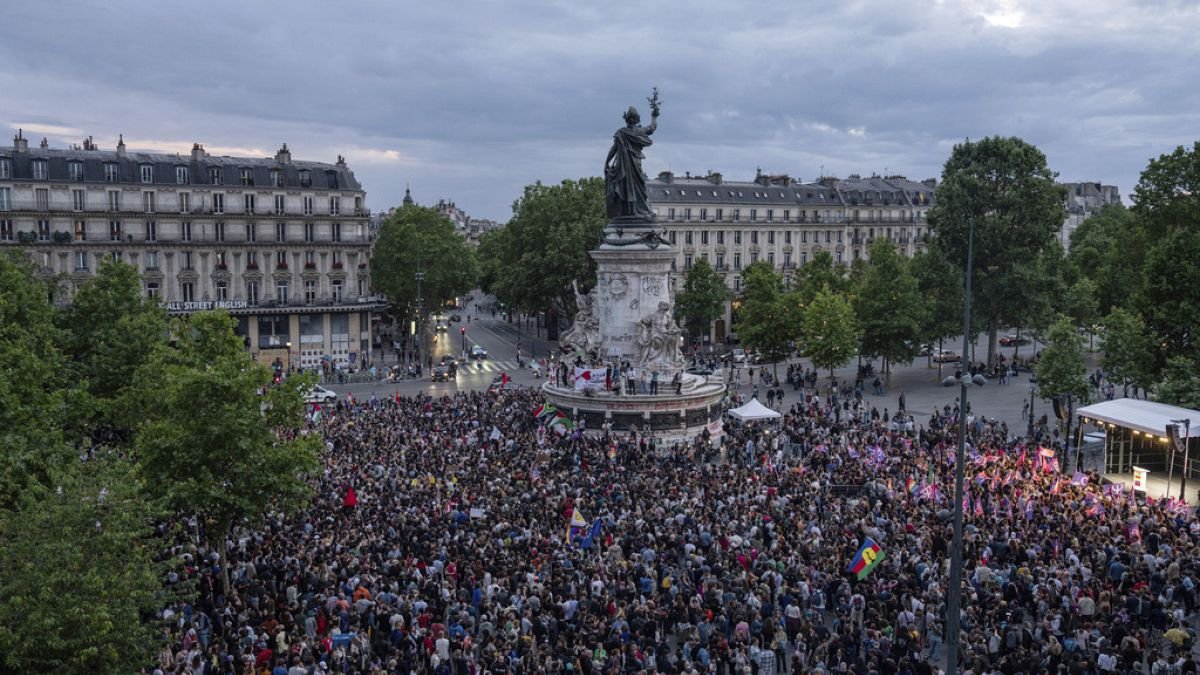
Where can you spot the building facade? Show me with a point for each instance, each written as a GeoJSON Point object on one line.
{"type": "Point", "coordinates": [1083, 201]}
{"type": "Point", "coordinates": [283, 245]}
{"type": "Point", "coordinates": [784, 222]}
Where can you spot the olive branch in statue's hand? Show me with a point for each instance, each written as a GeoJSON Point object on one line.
{"type": "Point", "coordinates": [654, 102]}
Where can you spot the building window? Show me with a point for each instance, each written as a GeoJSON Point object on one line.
{"type": "Point", "coordinates": [309, 231]}
{"type": "Point", "coordinates": [181, 175]}
{"type": "Point", "coordinates": [6, 230]}
{"type": "Point", "coordinates": [280, 231]}
{"type": "Point", "coordinates": [670, 214]}
{"type": "Point", "coordinates": [335, 232]}
{"type": "Point", "coordinates": [185, 260]}
{"type": "Point", "coordinates": [222, 289]}
{"type": "Point", "coordinates": [276, 178]}
{"type": "Point", "coordinates": [787, 237]}
{"type": "Point", "coordinates": [252, 293]}
{"type": "Point", "coordinates": [803, 257]}
{"type": "Point", "coordinates": [336, 258]}
{"type": "Point", "coordinates": [110, 173]}
{"type": "Point", "coordinates": [251, 232]}
{"type": "Point", "coordinates": [80, 230]}
{"type": "Point", "coordinates": [770, 215]}
{"type": "Point", "coordinates": [671, 236]}
{"type": "Point", "coordinates": [787, 259]}
{"type": "Point", "coordinates": [151, 260]}
{"type": "Point", "coordinates": [5, 168]}
{"type": "Point", "coordinates": [43, 227]}
{"type": "Point", "coordinates": [786, 215]}
{"type": "Point", "coordinates": [152, 289]}
{"type": "Point", "coordinates": [362, 287]}
{"type": "Point", "coordinates": [114, 200]}
{"type": "Point", "coordinates": [704, 237]}
{"type": "Point", "coordinates": [753, 236]}
{"type": "Point", "coordinates": [753, 214]}
{"type": "Point", "coordinates": [281, 260]}
{"type": "Point", "coordinates": [252, 260]}
{"type": "Point", "coordinates": [218, 231]}
{"type": "Point", "coordinates": [185, 231]}
{"type": "Point", "coordinates": [335, 289]}
{"type": "Point", "coordinates": [737, 261]}
{"type": "Point", "coordinates": [310, 258]}
{"type": "Point", "coordinates": [305, 178]}
{"type": "Point", "coordinates": [187, 291]}
{"type": "Point", "coordinates": [687, 262]}
{"type": "Point", "coordinates": [281, 292]}
{"type": "Point", "coordinates": [39, 169]}
{"type": "Point", "coordinates": [147, 173]}
{"type": "Point", "coordinates": [687, 214]}
{"type": "Point", "coordinates": [687, 238]}
{"type": "Point", "coordinates": [42, 199]}
{"type": "Point", "coordinates": [803, 236]}
{"type": "Point", "coordinates": [148, 202]}
{"type": "Point", "coordinates": [114, 230]}
{"type": "Point", "coordinates": [247, 177]}
{"type": "Point", "coordinates": [720, 261]}
{"type": "Point", "coordinates": [279, 205]}
{"type": "Point", "coordinates": [151, 230]}
{"type": "Point", "coordinates": [218, 203]}
{"type": "Point", "coordinates": [78, 198]}
{"type": "Point", "coordinates": [335, 206]}
{"type": "Point", "coordinates": [358, 207]}
{"type": "Point", "coordinates": [737, 237]}
{"type": "Point", "coordinates": [310, 292]}
{"type": "Point", "coordinates": [214, 175]}
{"type": "Point", "coordinates": [753, 258]}
{"type": "Point", "coordinates": [248, 203]}
{"type": "Point", "coordinates": [5, 199]}
{"type": "Point", "coordinates": [81, 261]}
{"type": "Point", "coordinates": [737, 283]}
{"type": "Point", "coordinates": [703, 214]}
{"type": "Point", "coordinates": [308, 206]}
{"type": "Point", "coordinates": [185, 202]}
{"type": "Point", "coordinates": [737, 215]}
{"type": "Point", "coordinates": [116, 256]}
{"type": "Point", "coordinates": [771, 258]}
{"type": "Point", "coordinates": [840, 235]}
{"type": "Point", "coordinates": [76, 171]}
{"type": "Point", "coordinates": [720, 237]}
{"type": "Point", "coordinates": [720, 214]}
{"type": "Point", "coordinates": [827, 236]}
{"type": "Point", "coordinates": [771, 238]}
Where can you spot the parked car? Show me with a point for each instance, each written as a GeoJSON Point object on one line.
{"type": "Point", "coordinates": [478, 353]}
{"type": "Point", "coordinates": [737, 355]}
{"type": "Point", "coordinates": [441, 373]}
{"type": "Point", "coordinates": [927, 350]}
{"type": "Point", "coordinates": [946, 356]}
{"type": "Point", "coordinates": [1013, 340]}
{"type": "Point", "coordinates": [320, 394]}
{"type": "Point", "coordinates": [454, 318]}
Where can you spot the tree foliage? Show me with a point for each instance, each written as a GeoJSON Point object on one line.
{"type": "Point", "coordinates": [1128, 348]}
{"type": "Point", "coordinates": [769, 319]}
{"type": "Point", "coordinates": [889, 305]}
{"type": "Point", "coordinates": [530, 263]}
{"type": "Point", "coordinates": [941, 287]}
{"type": "Point", "coordinates": [1104, 248]}
{"type": "Point", "coordinates": [1169, 299]}
{"type": "Point", "coordinates": [819, 274]}
{"type": "Point", "coordinates": [1167, 196]}
{"type": "Point", "coordinates": [831, 334]}
{"type": "Point", "coordinates": [210, 444]}
{"type": "Point", "coordinates": [1180, 384]}
{"type": "Point", "coordinates": [419, 238]}
{"type": "Point", "coordinates": [1060, 369]}
{"type": "Point", "coordinates": [1004, 186]}
{"type": "Point", "coordinates": [80, 578]}
{"type": "Point", "coordinates": [702, 299]}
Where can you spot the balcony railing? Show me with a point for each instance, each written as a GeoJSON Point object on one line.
{"type": "Point", "coordinates": [163, 210]}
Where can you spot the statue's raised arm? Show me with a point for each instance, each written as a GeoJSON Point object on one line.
{"type": "Point", "coordinates": [624, 181]}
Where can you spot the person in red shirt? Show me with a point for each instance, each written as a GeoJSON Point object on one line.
{"type": "Point", "coordinates": [350, 499]}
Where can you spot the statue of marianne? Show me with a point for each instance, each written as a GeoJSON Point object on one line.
{"type": "Point", "coordinates": [624, 181]}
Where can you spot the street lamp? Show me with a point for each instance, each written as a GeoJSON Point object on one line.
{"type": "Point", "coordinates": [1032, 391]}
{"type": "Point", "coordinates": [463, 331]}
{"type": "Point", "coordinates": [954, 596]}
{"type": "Point", "coordinates": [1176, 442]}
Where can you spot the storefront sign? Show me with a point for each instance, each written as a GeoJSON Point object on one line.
{"type": "Point", "coordinates": [1139, 478]}
{"type": "Point", "coordinates": [205, 305]}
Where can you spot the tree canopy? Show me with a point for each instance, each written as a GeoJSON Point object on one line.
{"type": "Point", "coordinates": [831, 334]}
{"type": "Point", "coordinates": [1060, 369]}
{"type": "Point", "coordinates": [702, 299]}
{"type": "Point", "coordinates": [890, 308]}
{"type": "Point", "coordinates": [419, 238]}
{"type": "Point", "coordinates": [768, 320]}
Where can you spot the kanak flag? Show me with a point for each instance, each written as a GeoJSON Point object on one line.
{"type": "Point", "coordinates": [866, 559]}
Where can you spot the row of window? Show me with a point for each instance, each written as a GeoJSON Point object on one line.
{"type": "Point", "coordinates": [149, 232]}
{"type": "Point", "coordinates": [689, 236]}
{"type": "Point", "coordinates": [187, 291]}
{"type": "Point", "coordinates": [41, 202]}
{"type": "Point", "coordinates": [801, 216]}
{"type": "Point", "coordinates": [719, 263]}
{"type": "Point", "coordinates": [150, 260]}
{"type": "Point", "coordinates": [112, 173]}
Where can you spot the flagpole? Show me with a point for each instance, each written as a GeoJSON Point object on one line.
{"type": "Point", "coordinates": [954, 594]}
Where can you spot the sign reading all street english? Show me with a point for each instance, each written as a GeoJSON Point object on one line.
{"type": "Point", "coordinates": [205, 305]}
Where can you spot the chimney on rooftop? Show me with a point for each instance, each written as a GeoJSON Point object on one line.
{"type": "Point", "coordinates": [19, 142]}
{"type": "Point", "coordinates": [45, 143]}
{"type": "Point", "coordinates": [198, 152]}
{"type": "Point", "coordinates": [121, 145]}
{"type": "Point", "coordinates": [284, 156]}
{"type": "Point", "coordinates": [341, 161]}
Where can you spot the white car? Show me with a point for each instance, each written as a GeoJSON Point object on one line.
{"type": "Point", "coordinates": [320, 394]}
{"type": "Point", "coordinates": [738, 355]}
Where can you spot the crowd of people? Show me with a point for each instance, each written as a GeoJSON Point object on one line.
{"type": "Point", "coordinates": [439, 541]}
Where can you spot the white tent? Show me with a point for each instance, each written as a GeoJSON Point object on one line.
{"type": "Point", "coordinates": [754, 411]}
{"type": "Point", "coordinates": [1147, 417]}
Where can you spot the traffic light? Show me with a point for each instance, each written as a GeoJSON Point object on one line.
{"type": "Point", "coordinates": [462, 330]}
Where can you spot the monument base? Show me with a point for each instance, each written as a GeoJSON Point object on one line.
{"type": "Point", "coordinates": [666, 415]}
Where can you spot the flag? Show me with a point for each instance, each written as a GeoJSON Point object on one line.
{"type": "Point", "coordinates": [1054, 489]}
{"type": "Point", "coordinates": [1029, 509]}
{"type": "Point", "coordinates": [592, 535]}
{"type": "Point", "coordinates": [910, 485]}
{"type": "Point", "coordinates": [852, 452]}
{"type": "Point", "coordinates": [504, 378]}
{"type": "Point", "coordinates": [1135, 532]}
{"type": "Point", "coordinates": [544, 409]}
{"type": "Point", "coordinates": [561, 423]}
{"type": "Point", "coordinates": [877, 454]}
{"type": "Point", "coordinates": [981, 478]}
{"type": "Point", "coordinates": [575, 525]}
{"type": "Point", "coordinates": [495, 433]}
{"type": "Point", "coordinates": [866, 559]}
{"type": "Point", "coordinates": [1113, 490]}
{"type": "Point", "coordinates": [1079, 478]}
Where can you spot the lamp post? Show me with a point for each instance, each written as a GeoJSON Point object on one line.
{"type": "Point", "coordinates": [954, 594]}
{"type": "Point", "coordinates": [1032, 390]}
{"type": "Point", "coordinates": [463, 331]}
{"type": "Point", "coordinates": [1177, 441]}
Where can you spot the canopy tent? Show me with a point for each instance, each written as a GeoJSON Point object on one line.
{"type": "Point", "coordinates": [1147, 417]}
{"type": "Point", "coordinates": [754, 411]}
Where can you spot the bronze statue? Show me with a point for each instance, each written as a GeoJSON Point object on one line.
{"type": "Point", "coordinates": [624, 182]}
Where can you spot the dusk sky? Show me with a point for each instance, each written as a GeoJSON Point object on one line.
{"type": "Point", "coordinates": [471, 101]}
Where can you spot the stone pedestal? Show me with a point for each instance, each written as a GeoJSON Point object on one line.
{"type": "Point", "coordinates": [633, 288]}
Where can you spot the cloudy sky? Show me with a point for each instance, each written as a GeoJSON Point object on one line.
{"type": "Point", "coordinates": [471, 101]}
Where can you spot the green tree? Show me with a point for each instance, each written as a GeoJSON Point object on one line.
{"type": "Point", "coordinates": [110, 330]}
{"type": "Point", "coordinates": [941, 287]}
{"type": "Point", "coordinates": [1004, 186]}
{"type": "Point", "coordinates": [209, 443]}
{"type": "Point", "coordinates": [831, 334]}
{"type": "Point", "coordinates": [1169, 297]}
{"type": "Point", "coordinates": [702, 299]}
{"type": "Point", "coordinates": [1167, 196]}
{"type": "Point", "coordinates": [1181, 383]}
{"type": "Point", "coordinates": [1081, 304]}
{"type": "Point", "coordinates": [818, 274]}
{"type": "Point", "coordinates": [36, 398]}
{"type": "Point", "coordinates": [1109, 249]}
{"type": "Point", "coordinates": [768, 320]}
{"type": "Point", "coordinates": [545, 246]}
{"type": "Point", "coordinates": [419, 238]}
{"type": "Point", "coordinates": [1127, 348]}
{"type": "Point", "coordinates": [1060, 369]}
{"type": "Point", "coordinates": [80, 580]}
{"type": "Point", "coordinates": [889, 306]}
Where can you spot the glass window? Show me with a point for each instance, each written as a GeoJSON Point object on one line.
{"type": "Point", "coordinates": [147, 173]}
{"type": "Point", "coordinates": [39, 169]}
{"type": "Point", "coordinates": [181, 175]}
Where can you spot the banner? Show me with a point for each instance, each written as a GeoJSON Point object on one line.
{"type": "Point", "coordinates": [590, 378]}
{"type": "Point", "coordinates": [1139, 478]}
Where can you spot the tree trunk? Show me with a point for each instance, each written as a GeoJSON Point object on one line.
{"type": "Point", "coordinates": [993, 343]}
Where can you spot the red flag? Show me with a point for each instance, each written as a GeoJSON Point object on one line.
{"type": "Point", "coordinates": [503, 379]}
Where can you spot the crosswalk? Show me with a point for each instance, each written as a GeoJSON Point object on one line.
{"type": "Point", "coordinates": [489, 366]}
